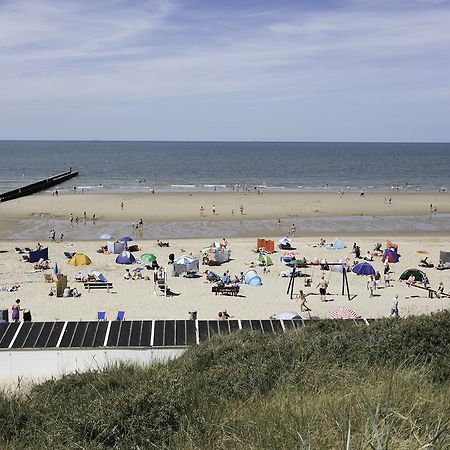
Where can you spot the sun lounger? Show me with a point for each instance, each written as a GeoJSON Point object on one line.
{"type": "Point", "coordinates": [19, 250]}
{"type": "Point", "coordinates": [226, 290]}
{"type": "Point", "coordinates": [120, 315]}
{"type": "Point", "coordinates": [97, 285]}
{"type": "Point", "coordinates": [27, 249]}
{"type": "Point", "coordinates": [101, 315]}
{"type": "Point", "coordinates": [25, 258]}
{"type": "Point", "coordinates": [69, 255]}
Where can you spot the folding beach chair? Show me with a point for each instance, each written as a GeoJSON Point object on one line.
{"type": "Point", "coordinates": [101, 315]}
{"type": "Point", "coordinates": [120, 315]}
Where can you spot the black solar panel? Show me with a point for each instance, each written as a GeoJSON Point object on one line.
{"type": "Point", "coordinates": [256, 325]}
{"type": "Point", "coordinates": [78, 336]}
{"type": "Point", "coordinates": [9, 334]}
{"type": "Point", "coordinates": [114, 334]}
{"type": "Point", "coordinates": [298, 323]}
{"type": "Point", "coordinates": [33, 335]}
{"type": "Point", "coordinates": [55, 334]}
{"type": "Point", "coordinates": [180, 333]}
{"type": "Point", "coordinates": [191, 333]}
{"type": "Point", "coordinates": [43, 337]}
{"type": "Point", "coordinates": [146, 334]}
{"type": "Point", "coordinates": [213, 326]}
{"type": "Point", "coordinates": [91, 333]}
{"type": "Point", "coordinates": [288, 324]}
{"type": "Point", "coordinates": [234, 325]}
{"type": "Point", "coordinates": [99, 339]}
{"type": "Point", "coordinates": [68, 334]}
{"type": "Point", "coordinates": [267, 326]}
{"type": "Point", "coordinates": [158, 339]}
{"type": "Point", "coordinates": [245, 324]}
{"type": "Point", "coordinates": [3, 328]}
{"type": "Point", "coordinates": [23, 333]}
{"type": "Point", "coordinates": [135, 335]}
{"type": "Point", "coordinates": [124, 335]}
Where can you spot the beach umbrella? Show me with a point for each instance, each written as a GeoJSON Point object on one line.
{"type": "Point", "coordinates": [148, 257]}
{"type": "Point", "coordinates": [265, 259]}
{"type": "Point", "coordinates": [363, 269]}
{"type": "Point", "coordinates": [343, 313]}
{"type": "Point", "coordinates": [79, 259]}
{"type": "Point", "coordinates": [422, 252]}
{"type": "Point", "coordinates": [125, 239]}
{"type": "Point", "coordinates": [106, 236]}
{"type": "Point", "coordinates": [416, 273]}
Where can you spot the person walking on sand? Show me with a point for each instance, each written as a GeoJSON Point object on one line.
{"type": "Point", "coordinates": [15, 311]}
{"type": "Point", "coordinates": [202, 211]}
{"type": "Point", "coordinates": [303, 305]}
{"type": "Point", "coordinates": [241, 208]}
{"type": "Point", "coordinates": [371, 285]}
{"type": "Point", "coordinates": [121, 205]}
{"type": "Point", "coordinates": [323, 285]}
{"type": "Point", "coordinates": [214, 210]}
{"type": "Point", "coordinates": [394, 306]}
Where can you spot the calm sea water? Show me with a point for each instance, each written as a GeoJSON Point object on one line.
{"type": "Point", "coordinates": [166, 166]}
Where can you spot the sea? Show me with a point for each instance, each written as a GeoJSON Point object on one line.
{"type": "Point", "coordinates": [111, 167]}
{"type": "Point", "coordinates": [207, 166]}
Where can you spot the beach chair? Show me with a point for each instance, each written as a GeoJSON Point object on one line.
{"type": "Point", "coordinates": [120, 315]}
{"type": "Point", "coordinates": [101, 315]}
{"type": "Point", "coordinates": [68, 255]}
{"type": "Point", "coordinates": [19, 250]}
{"type": "Point", "coordinates": [27, 249]}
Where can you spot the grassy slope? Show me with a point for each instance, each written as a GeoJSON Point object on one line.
{"type": "Point", "coordinates": [326, 386]}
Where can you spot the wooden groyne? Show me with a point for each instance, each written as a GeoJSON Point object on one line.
{"type": "Point", "coordinates": [38, 186]}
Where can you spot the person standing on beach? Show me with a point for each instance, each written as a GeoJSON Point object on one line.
{"type": "Point", "coordinates": [214, 210]}
{"type": "Point", "coordinates": [371, 285]}
{"type": "Point", "coordinates": [202, 211]}
{"type": "Point", "coordinates": [15, 311]}
{"type": "Point", "coordinates": [394, 306]}
{"type": "Point", "coordinates": [71, 218]}
{"type": "Point", "coordinates": [323, 285]}
{"type": "Point", "coordinates": [241, 208]}
{"type": "Point", "coordinates": [121, 206]}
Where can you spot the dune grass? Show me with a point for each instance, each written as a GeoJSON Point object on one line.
{"type": "Point", "coordinates": [330, 385]}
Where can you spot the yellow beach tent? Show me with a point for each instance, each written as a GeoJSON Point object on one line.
{"type": "Point", "coordinates": [79, 259]}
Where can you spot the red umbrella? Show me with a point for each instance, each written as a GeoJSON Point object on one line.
{"type": "Point", "coordinates": [343, 313]}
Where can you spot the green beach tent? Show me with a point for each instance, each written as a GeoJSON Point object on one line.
{"type": "Point", "coordinates": [265, 259]}
{"type": "Point", "coordinates": [416, 273]}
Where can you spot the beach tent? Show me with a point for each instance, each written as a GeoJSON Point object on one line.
{"type": "Point", "coordinates": [185, 264]}
{"type": "Point", "coordinates": [79, 259]}
{"type": "Point", "coordinates": [98, 276]}
{"type": "Point", "coordinates": [337, 244]}
{"type": "Point", "coordinates": [116, 247]}
{"type": "Point", "coordinates": [266, 245]}
{"type": "Point", "coordinates": [106, 236]}
{"type": "Point", "coordinates": [340, 268]}
{"type": "Point", "coordinates": [36, 255]}
{"type": "Point", "coordinates": [289, 315]}
{"type": "Point", "coordinates": [125, 258]}
{"type": "Point", "coordinates": [444, 257]}
{"type": "Point", "coordinates": [390, 255]}
{"type": "Point", "coordinates": [252, 278]}
{"type": "Point", "coordinates": [147, 258]}
{"type": "Point", "coordinates": [266, 260]}
{"type": "Point", "coordinates": [284, 241]}
{"type": "Point", "coordinates": [416, 273]}
{"type": "Point", "coordinates": [363, 269]}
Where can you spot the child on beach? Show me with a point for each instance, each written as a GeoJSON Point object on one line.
{"type": "Point", "coordinates": [303, 305]}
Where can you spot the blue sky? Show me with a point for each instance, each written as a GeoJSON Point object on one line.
{"type": "Point", "coordinates": [373, 70]}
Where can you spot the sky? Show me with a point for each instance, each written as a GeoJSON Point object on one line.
{"type": "Point", "coordinates": [280, 70]}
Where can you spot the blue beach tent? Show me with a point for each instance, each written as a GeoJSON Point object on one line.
{"type": "Point", "coordinates": [125, 258]}
{"type": "Point", "coordinates": [252, 278]}
{"type": "Point", "coordinates": [363, 268]}
{"type": "Point", "coordinates": [338, 244]}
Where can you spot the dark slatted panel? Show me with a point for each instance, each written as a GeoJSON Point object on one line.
{"type": "Point", "coordinates": [33, 335]}
{"type": "Point", "coordinates": [68, 334]}
{"type": "Point", "coordinates": [267, 326]}
{"type": "Point", "coordinates": [277, 328]}
{"type": "Point", "coordinates": [169, 334]}
{"type": "Point", "coordinates": [91, 332]}
{"type": "Point", "coordinates": [245, 324]}
{"type": "Point", "coordinates": [114, 333]}
{"type": "Point", "coordinates": [44, 335]}
{"type": "Point", "coordinates": [288, 324]}
{"type": "Point", "coordinates": [135, 336]}
{"type": "Point", "coordinates": [54, 335]}
{"type": "Point", "coordinates": [298, 323]}
{"type": "Point", "coordinates": [146, 334]}
{"type": "Point", "coordinates": [234, 325]}
{"type": "Point", "coordinates": [78, 336]}
{"type": "Point", "coordinates": [180, 335]}
{"type": "Point", "coordinates": [3, 328]}
{"type": "Point", "coordinates": [203, 332]}
{"type": "Point", "coordinates": [99, 339]}
{"type": "Point", "coordinates": [223, 327]}
{"type": "Point", "coordinates": [124, 336]}
{"type": "Point", "coordinates": [191, 334]}
{"type": "Point", "coordinates": [213, 327]}
{"type": "Point", "coordinates": [256, 325]}
{"type": "Point", "coordinates": [23, 333]}
{"type": "Point", "coordinates": [158, 340]}
{"type": "Point", "coordinates": [9, 334]}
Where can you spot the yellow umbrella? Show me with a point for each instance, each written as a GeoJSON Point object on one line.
{"type": "Point", "coordinates": [79, 259]}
